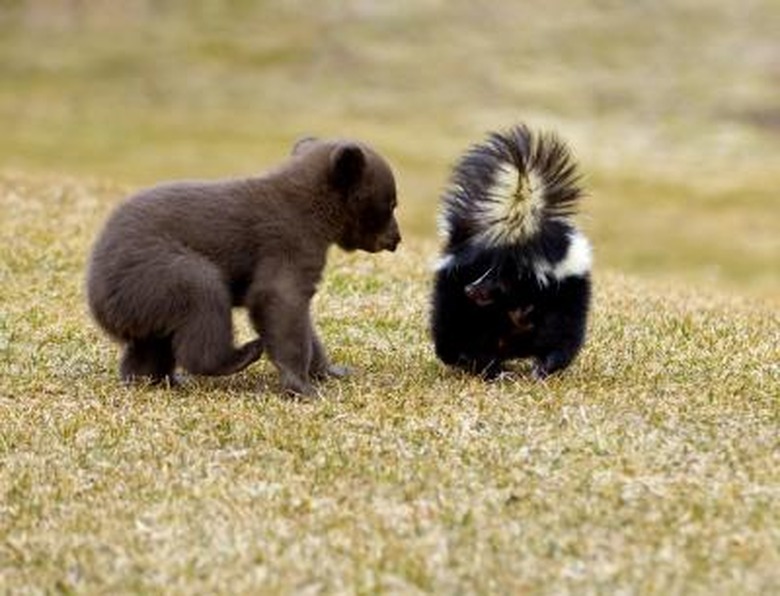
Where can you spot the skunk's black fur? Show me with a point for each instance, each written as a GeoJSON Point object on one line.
{"type": "Point", "coordinates": [514, 278]}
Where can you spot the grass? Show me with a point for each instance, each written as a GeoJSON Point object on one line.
{"type": "Point", "coordinates": [648, 467]}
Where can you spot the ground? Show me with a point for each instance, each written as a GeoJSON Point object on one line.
{"type": "Point", "coordinates": [650, 466]}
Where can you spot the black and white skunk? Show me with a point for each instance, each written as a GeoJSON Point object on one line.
{"type": "Point", "coordinates": [514, 277]}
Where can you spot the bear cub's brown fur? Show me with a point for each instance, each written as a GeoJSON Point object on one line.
{"type": "Point", "coordinates": [173, 259]}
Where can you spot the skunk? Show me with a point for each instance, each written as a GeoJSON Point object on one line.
{"type": "Point", "coordinates": [514, 277]}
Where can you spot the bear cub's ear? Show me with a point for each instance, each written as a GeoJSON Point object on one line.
{"type": "Point", "coordinates": [303, 144]}
{"type": "Point", "coordinates": [347, 163]}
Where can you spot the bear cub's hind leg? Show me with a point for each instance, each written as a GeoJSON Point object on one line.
{"type": "Point", "coordinates": [203, 342]}
{"type": "Point", "coordinates": [204, 346]}
{"type": "Point", "coordinates": [148, 359]}
{"type": "Point", "coordinates": [152, 360]}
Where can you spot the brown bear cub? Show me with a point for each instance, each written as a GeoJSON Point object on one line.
{"type": "Point", "coordinates": [174, 259]}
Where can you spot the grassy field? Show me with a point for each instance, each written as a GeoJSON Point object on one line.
{"type": "Point", "coordinates": [651, 466]}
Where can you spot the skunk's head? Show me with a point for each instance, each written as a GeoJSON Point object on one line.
{"type": "Point", "coordinates": [503, 191]}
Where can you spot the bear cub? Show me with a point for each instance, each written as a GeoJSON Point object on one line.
{"type": "Point", "coordinates": [174, 259]}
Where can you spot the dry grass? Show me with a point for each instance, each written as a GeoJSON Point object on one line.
{"type": "Point", "coordinates": [651, 466]}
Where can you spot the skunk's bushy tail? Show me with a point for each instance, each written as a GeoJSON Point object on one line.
{"type": "Point", "coordinates": [502, 190]}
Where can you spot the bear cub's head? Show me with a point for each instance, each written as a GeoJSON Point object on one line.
{"type": "Point", "coordinates": [365, 192]}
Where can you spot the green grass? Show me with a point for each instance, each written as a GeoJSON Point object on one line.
{"type": "Point", "coordinates": [650, 466]}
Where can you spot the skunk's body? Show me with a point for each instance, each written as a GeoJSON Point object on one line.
{"type": "Point", "coordinates": [514, 278]}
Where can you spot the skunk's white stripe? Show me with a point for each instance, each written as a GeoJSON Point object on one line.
{"type": "Point", "coordinates": [577, 261]}
{"type": "Point", "coordinates": [443, 263]}
{"type": "Point", "coordinates": [505, 187]}
{"type": "Point", "coordinates": [513, 211]}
